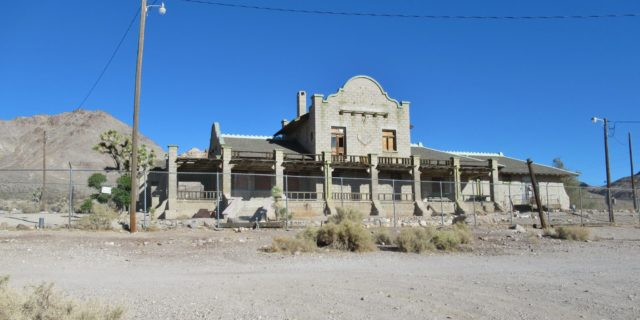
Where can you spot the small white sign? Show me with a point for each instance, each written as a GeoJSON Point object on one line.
{"type": "Point", "coordinates": [106, 190]}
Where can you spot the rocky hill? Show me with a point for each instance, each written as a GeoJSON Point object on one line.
{"type": "Point", "coordinates": [70, 138]}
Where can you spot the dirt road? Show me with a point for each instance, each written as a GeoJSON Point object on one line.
{"type": "Point", "coordinates": [204, 274]}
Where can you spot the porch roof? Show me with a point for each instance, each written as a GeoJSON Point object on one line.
{"type": "Point", "coordinates": [261, 144]}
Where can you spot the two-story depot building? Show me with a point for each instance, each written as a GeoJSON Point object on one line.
{"type": "Point", "coordinates": [350, 149]}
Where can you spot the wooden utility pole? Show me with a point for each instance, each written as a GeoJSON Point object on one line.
{"type": "Point", "coordinates": [44, 170]}
{"type": "Point", "coordinates": [606, 156]}
{"type": "Point", "coordinates": [534, 182]}
{"type": "Point", "coordinates": [633, 183]}
{"type": "Point", "coordinates": [136, 107]}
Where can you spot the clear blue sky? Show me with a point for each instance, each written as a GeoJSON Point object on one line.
{"type": "Point", "coordinates": [526, 88]}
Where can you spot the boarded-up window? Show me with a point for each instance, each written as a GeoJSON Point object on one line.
{"type": "Point", "coordinates": [388, 140]}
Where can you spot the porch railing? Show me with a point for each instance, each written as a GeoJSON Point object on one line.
{"type": "Point", "coordinates": [349, 159]}
{"type": "Point", "coordinates": [197, 195]}
{"type": "Point", "coordinates": [435, 163]}
{"type": "Point", "coordinates": [304, 195]}
{"type": "Point", "coordinates": [302, 157]}
{"type": "Point", "coordinates": [395, 196]}
{"type": "Point", "coordinates": [394, 161]}
{"type": "Point", "coordinates": [251, 155]}
{"type": "Point", "coordinates": [351, 196]}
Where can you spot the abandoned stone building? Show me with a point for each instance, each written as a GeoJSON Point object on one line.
{"type": "Point", "coordinates": [350, 149]}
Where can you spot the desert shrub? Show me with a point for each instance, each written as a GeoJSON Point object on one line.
{"type": "Point", "coordinates": [43, 302]}
{"type": "Point", "coordinates": [381, 236]}
{"type": "Point", "coordinates": [346, 214]}
{"type": "Point", "coordinates": [569, 233]}
{"type": "Point", "coordinates": [28, 206]}
{"type": "Point", "coordinates": [100, 219]}
{"type": "Point", "coordinates": [346, 235]}
{"type": "Point", "coordinates": [309, 233]}
{"type": "Point", "coordinates": [291, 245]}
{"type": "Point", "coordinates": [416, 240]}
{"type": "Point", "coordinates": [419, 240]}
{"type": "Point", "coordinates": [87, 206]}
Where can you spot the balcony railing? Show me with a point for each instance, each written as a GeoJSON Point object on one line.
{"type": "Point", "coordinates": [252, 155]}
{"type": "Point", "coordinates": [302, 157]}
{"type": "Point", "coordinates": [197, 195]}
{"type": "Point", "coordinates": [395, 196]}
{"type": "Point", "coordinates": [394, 161]}
{"type": "Point", "coordinates": [350, 159]}
{"type": "Point", "coordinates": [303, 195]}
{"type": "Point", "coordinates": [435, 163]}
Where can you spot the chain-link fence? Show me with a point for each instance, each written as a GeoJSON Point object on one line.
{"type": "Point", "coordinates": [300, 198]}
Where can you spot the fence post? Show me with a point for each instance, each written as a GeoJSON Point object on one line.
{"type": "Point", "coordinates": [145, 200]}
{"type": "Point", "coordinates": [580, 196]}
{"type": "Point", "coordinates": [473, 198]}
{"type": "Point", "coordinates": [441, 205]}
{"type": "Point", "coordinates": [510, 202]}
{"type": "Point", "coordinates": [393, 197]}
{"type": "Point", "coordinates": [341, 192]}
{"type": "Point", "coordinates": [70, 193]}
{"type": "Point", "coordinates": [218, 200]}
{"type": "Point", "coordinates": [546, 188]}
{"type": "Point", "coordinates": [286, 202]}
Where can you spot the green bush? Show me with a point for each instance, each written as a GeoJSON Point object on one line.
{"type": "Point", "coordinates": [42, 302]}
{"type": "Point", "coordinates": [100, 219]}
{"type": "Point", "coordinates": [87, 206]}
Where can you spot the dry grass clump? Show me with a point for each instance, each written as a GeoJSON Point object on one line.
{"type": "Point", "coordinates": [382, 237]}
{"type": "Point", "coordinates": [419, 240]}
{"type": "Point", "coordinates": [342, 232]}
{"type": "Point", "coordinates": [575, 233]}
{"type": "Point", "coordinates": [99, 220]}
{"type": "Point", "coordinates": [42, 302]}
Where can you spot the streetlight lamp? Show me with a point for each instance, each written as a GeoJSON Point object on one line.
{"type": "Point", "coordinates": [136, 106]}
{"type": "Point", "coordinates": [605, 121]}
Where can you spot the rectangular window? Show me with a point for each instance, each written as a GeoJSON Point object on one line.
{"type": "Point", "coordinates": [338, 141]}
{"type": "Point", "coordinates": [389, 140]}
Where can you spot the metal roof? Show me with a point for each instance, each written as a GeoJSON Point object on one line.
{"type": "Point", "coordinates": [261, 144]}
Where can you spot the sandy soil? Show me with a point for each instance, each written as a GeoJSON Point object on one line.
{"type": "Point", "coordinates": [205, 274]}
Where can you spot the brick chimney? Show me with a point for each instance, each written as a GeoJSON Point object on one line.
{"type": "Point", "coordinates": [302, 103]}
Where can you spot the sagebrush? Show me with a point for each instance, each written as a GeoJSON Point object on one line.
{"type": "Point", "coordinates": [43, 302]}
{"type": "Point", "coordinates": [101, 219]}
{"type": "Point", "coordinates": [575, 233]}
{"type": "Point", "coordinates": [418, 240]}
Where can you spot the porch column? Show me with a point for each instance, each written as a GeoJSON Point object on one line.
{"type": "Point", "coordinates": [373, 174]}
{"type": "Point", "coordinates": [419, 208]}
{"type": "Point", "coordinates": [328, 176]}
{"type": "Point", "coordinates": [457, 180]}
{"type": "Point", "coordinates": [172, 179]}
{"type": "Point", "coordinates": [493, 164]}
{"type": "Point", "coordinates": [278, 157]}
{"type": "Point", "coordinates": [327, 192]}
{"type": "Point", "coordinates": [226, 172]}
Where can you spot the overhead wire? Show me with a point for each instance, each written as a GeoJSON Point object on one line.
{"type": "Point", "coordinates": [113, 55]}
{"type": "Point", "coordinates": [411, 16]}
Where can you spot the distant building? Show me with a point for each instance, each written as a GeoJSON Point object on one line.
{"type": "Point", "coordinates": [352, 148]}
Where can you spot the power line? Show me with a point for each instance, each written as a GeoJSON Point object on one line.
{"type": "Point", "coordinates": [413, 16]}
{"type": "Point", "coordinates": [115, 51]}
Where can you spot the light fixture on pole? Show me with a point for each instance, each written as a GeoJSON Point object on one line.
{"type": "Point", "coordinates": [136, 107]}
{"type": "Point", "coordinates": [606, 156]}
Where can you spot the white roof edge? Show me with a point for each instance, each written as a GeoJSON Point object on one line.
{"type": "Point", "coordinates": [544, 165]}
{"type": "Point", "coordinates": [419, 144]}
{"type": "Point", "coordinates": [245, 136]}
{"type": "Point", "coordinates": [472, 153]}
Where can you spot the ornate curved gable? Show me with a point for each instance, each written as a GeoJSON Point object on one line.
{"type": "Point", "coordinates": [362, 91]}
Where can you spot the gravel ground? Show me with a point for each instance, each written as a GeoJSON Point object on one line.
{"type": "Point", "coordinates": [205, 274]}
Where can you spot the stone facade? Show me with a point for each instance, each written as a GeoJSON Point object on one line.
{"type": "Point", "coordinates": [350, 149]}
